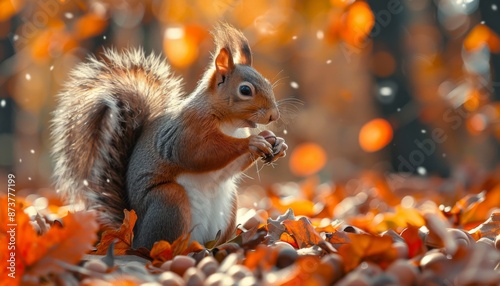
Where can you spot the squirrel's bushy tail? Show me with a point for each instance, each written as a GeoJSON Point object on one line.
{"type": "Point", "coordinates": [99, 117]}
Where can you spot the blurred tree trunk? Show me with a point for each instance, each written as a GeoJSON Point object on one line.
{"type": "Point", "coordinates": [389, 36]}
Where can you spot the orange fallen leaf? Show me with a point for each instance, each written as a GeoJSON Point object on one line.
{"type": "Point", "coordinates": [490, 228]}
{"type": "Point", "coordinates": [413, 241]}
{"type": "Point", "coordinates": [299, 206]}
{"type": "Point", "coordinates": [476, 208]}
{"type": "Point", "coordinates": [164, 251]}
{"type": "Point", "coordinates": [286, 237]}
{"type": "Point", "coordinates": [305, 272]}
{"type": "Point", "coordinates": [401, 218]}
{"type": "Point", "coordinates": [366, 247]}
{"type": "Point", "coordinates": [67, 244]}
{"type": "Point", "coordinates": [37, 256]}
{"type": "Point", "coordinates": [338, 238]}
{"type": "Point", "coordinates": [123, 236]}
{"type": "Point", "coordinates": [303, 232]}
{"type": "Point", "coordinates": [263, 258]}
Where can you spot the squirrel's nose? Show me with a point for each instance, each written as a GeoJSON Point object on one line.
{"type": "Point", "coordinates": [273, 114]}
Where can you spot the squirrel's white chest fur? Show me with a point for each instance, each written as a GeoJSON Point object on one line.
{"type": "Point", "coordinates": [211, 199]}
{"type": "Point", "coordinates": [212, 194]}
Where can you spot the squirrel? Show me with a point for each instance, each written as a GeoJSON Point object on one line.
{"type": "Point", "coordinates": [127, 137]}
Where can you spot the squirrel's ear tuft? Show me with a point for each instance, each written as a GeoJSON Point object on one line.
{"type": "Point", "coordinates": [224, 62]}
{"type": "Point", "coordinates": [245, 54]}
{"type": "Point", "coordinates": [226, 36]}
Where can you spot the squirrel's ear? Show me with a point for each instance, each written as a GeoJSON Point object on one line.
{"type": "Point", "coordinates": [224, 62]}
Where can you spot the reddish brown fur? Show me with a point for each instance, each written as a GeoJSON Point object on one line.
{"type": "Point", "coordinates": [127, 137]}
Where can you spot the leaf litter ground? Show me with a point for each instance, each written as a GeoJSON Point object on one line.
{"type": "Point", "coordinates": [393, 232]}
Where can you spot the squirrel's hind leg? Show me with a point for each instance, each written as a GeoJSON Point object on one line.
{"type": "Point", "coordinates": [163, 215]}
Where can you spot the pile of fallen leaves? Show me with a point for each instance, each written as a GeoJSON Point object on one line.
{"type": "Point", "coordinates": [371, 231]}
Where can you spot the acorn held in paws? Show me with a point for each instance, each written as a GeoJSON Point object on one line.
{"type": "Point", "coordinates": [269, 136]}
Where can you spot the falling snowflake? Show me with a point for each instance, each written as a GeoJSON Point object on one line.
{"type": "Point", "coordinates": [294, 84]}
{"type": "Point", "coordinates": [28, 76]}
{"type": "Point", "coordinates": [294, 38]}
{"type": "Point", "coordinates": [494, 7]}
{"type": "Point", "coordinates": [328, 62]}
{"type": "Point", "coordinates": [421, 170]}
{"type": "Point", "coordinates": [385, 91]}
{"type": "Point", "coordinates": [423, 131]}
{"type": "Point", "coordinates": [3, 103]}
{"type": "Point", "coordinates": [68, 15]}
{"type": "Point", "coordinates": [32, 151]}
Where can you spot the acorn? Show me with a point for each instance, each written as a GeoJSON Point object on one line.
{"type": "Point", "coordinates": [269, 136]}
{"type": "Point", "coordinates": [181, 263]}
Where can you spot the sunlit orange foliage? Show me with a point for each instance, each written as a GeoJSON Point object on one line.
{"type": "Point", "coordinates": [89, 25]}
{"type": "Point", "coordinates": [299, 206]}
{"type": "Point", "coordinates": [307, 159]}
{"type": "Point", "coordinates": [122, 237]}
{"type": "Point", "coordinates": [375, 135]}
{"type": "Point", "coordinates": [482, 35]}
{"type": "Point", "coordinates": [180, 44]}
{"type": "Point", "coordinates": [357, 23]}
{"type": "Point", "coordinates": [7, 9]}
{"type": "Point", "coordinates": [40, 255]}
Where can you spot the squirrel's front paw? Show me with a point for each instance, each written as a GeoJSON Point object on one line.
{"type": "Point", "coordinates": [278, 144]}
{"type": "Point", "coordinates": [260, 147]}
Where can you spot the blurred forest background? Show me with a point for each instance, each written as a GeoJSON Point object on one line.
{"type": "Point", "coordinates": [387, 85]}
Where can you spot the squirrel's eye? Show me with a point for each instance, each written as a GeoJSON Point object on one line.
{"type": "Point", "coordinates": [245, 90]}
